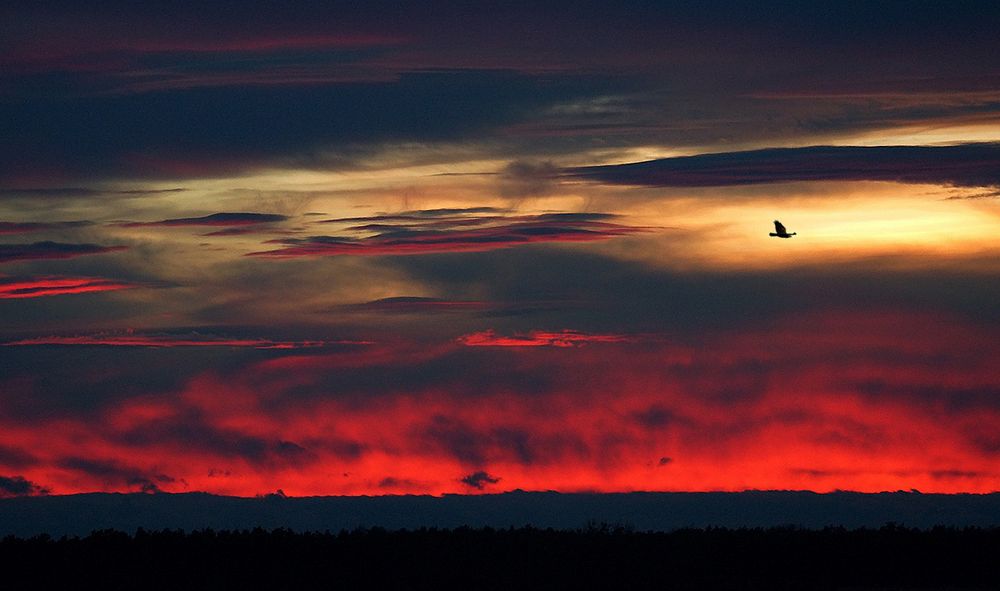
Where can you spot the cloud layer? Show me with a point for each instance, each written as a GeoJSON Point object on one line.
{"type": "Point", "coordinates": [215, 219]}
{"type": "Point", "coordinates": [137, 93]}
{"type": "Point", "coordinates": [28, 227]}
{"type": "Point", "coordinates": [401, 240]}
{"type": "Point", "coordinates": [51, 250]}
{"type": "Point", "coordinates": [787, 407]}
{"type": "Point", "coordinates": [166, 341]}
{"type": "Point", "coordinates": [965, 165]}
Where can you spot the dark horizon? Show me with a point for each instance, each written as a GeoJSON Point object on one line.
{"type": "Point", "coordinates": [81, 513]}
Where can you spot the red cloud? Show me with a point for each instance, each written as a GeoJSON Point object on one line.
{"type": "Point", "coordinates": [565, 338]}
{"type": "Point", "coordinates": [49, 285]}
{"type": "Point", "coordinates": [785, 408]}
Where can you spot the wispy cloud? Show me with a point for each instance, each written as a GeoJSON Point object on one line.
{"type": "Point", "coordinates": [966, 165]}
{"type": "Point", "coordinates": [405, 304]}
{"type": "Point", "coordinates": [215, 219]}
{"type": "Point", "coordinates": [564, 338]}
{"type": "Point", "coordinates": [426, 305]}
{"type": "Point", "coordinates": [50, 285]}
{"type": "Point", "coordinates": [78, 192]}
{"type": "Point", "coordinates": [51, 250]}
{"type": "Point", "coordinates": [28, 227]}
{"type": "Point", "coordinates": [403, 240]}
{"type": "Point", "coordinates": [169, 340]}
{"type": "Point", "coordinates": [421, 214]}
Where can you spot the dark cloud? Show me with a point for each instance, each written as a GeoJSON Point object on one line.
{"type": "Point", "coordinates": [101, 468]}
{"type": "Point", "coordinates": [479, 480]}
{"type": "Point", "coordinates": [464, 220]}
{"type": "Point", "coordinates": [393, 483]}
{"type": "Point", "coordinates": [16, 458]}
{"type": "Point", "coordinates": [28, 227]}
{"type": "Point", "coordinates": [636, 35]}
{"type": "Point", "coordinates": [425, 305]}
{"type": "Point", "coordinates": [51, 250]}
{"type": "Point", "coordinates": [527, 179]}
{"type": "Point", "coordinates": [190, 430]}
{"type": "Point", "coordinates": [949, 398]}
{"type": "Point", "coordinates": [413, 304]}
{"type": "Point", "coordinates": [66, 385]}
{"type": "Point", "coordinates": [452, 211]}
{"type": "Point", "coordinates": [966, 165]}
{"type": "Point", "coordinates": [456, 439]}
{"type": "Point", "coordinates": [151, 484]}
{"type": "Point", "coordinates": [952, 474]}
{"type": "Point", "coordinates": [422, 215]}
{"type": "Point", "coordinates": [245, 230]}
{"type": "Point", "coordinates": [473, 445]}
{"type": "Point", "coordinates": [44, 193]}
{"type": "Point", "coordinates": [135, 91]}
{"type": "Point", "coordinates": [214, 130]}
{"type": "Point", "coordinates": [118, 474]}
{"type": "Point", "coordinates": [404, 241]}
{"type": "Point", "coordinates": [164, 341]}
{"type": "Point", "coordinates": [686, 302]}
{"type": "Point", "coordinates": [985, 195]}
{"type": "Point", "coordinates": [416, 225]}
{"type": "Point", "coordinates": [574, 217]}
{"type": "Point", "coordinates": [17, 486]}
{"type": "Point", "coordinates": [656, 417]}
{"type": "Point", "coordinates": [215, 219]}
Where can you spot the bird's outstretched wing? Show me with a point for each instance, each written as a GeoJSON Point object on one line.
{"type": "Point", "coordinates": [779, 228]}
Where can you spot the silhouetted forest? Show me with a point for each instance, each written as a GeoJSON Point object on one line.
{"type": "Point", "coordinates": [598, 556]}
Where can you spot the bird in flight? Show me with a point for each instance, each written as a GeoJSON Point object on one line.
{"type": "Point", "coordinates": [780, 231]}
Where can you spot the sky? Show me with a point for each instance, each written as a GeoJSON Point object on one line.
{"type": "Point", "coordinates": [376, 248]}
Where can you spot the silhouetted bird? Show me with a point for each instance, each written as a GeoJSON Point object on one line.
{"type": "Point", "coordinates": [780, 231]}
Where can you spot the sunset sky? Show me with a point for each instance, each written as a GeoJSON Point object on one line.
{"type": "Point", "coordinates": [369, 248]}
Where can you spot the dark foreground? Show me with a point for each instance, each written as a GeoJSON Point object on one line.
{"type": "Point", "coordinates": [59, 515]}
{"type": "Point", "coordinates": [601, 557]}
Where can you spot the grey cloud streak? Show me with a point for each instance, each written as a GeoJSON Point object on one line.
{"type": "Point", "coordinates": [964, 165]}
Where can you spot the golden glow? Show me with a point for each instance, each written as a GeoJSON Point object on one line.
{"type": "Point", "coordinates": [929, 133]}
{"type": "Point", "coordinates": [848, 221]}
